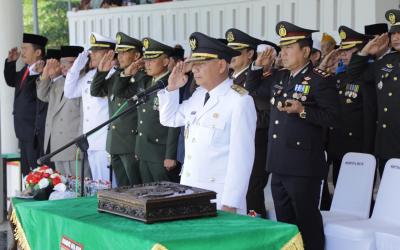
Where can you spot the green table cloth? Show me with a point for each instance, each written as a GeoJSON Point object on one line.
{"type": "Point", "coordinates": [43, 224]}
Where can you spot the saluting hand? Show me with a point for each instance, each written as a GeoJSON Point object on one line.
{"type": "Point", "coordinates": [13, 55]}
{"type": "Point", "coordinates": [106, 62]}
{"type": "Point", "coordinates": [39, 66]}
{"type": "Point", "coordinates": [177, 78]}
{"type": "Point", "coordinates": [54, 68]}
{"type": "Point", "coordinates": [330, 61]}
{"type": "Point", "coordinates": [134, 67]}
{"type": "Point", "coordinates": [376, 46]}
{"type": "Point", "coordinates": [266, 58]}
{"type": "Point", "coordinates": [80, 62]}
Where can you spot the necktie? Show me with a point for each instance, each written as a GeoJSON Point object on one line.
{"type": "Point", "coordinates": [24, 76]}
{"type": "Point", "coordinates": [206, 98]}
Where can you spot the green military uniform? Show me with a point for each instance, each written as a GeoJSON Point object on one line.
{"type": "Point", "coordinates": [154, 142]}
{"type": "Point", "coordinates": [121, 136]}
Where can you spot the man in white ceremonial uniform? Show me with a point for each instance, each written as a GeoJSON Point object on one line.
{"type": "Point", "coordinates": [220, 122]}
{"type": "Point", "coordinates": [95, 109]}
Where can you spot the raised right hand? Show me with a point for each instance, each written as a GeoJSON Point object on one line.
{"type": "Point", "coordinates": [177, 78]}
{"type": "Point", "coordinates": [54, 68]}
{"type": "Point", "coordinates": [134, 67]}
{"type": "Point", "coordinates": [39, 66]}
{"type": "Point", "coordinates": [266, 58]}
{"type": "Point", "coordinates": [80, 61]}
{"type": "Point", "coordinates": [376, 46]}
{"type": "Point", "coordinates": [106, 62]}
{"type": "Point", "coordinates": [13, 55]}
{"type": "Point", "coordinates": [330, 60]}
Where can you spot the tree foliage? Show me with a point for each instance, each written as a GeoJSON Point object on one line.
{"type": "Point", "coordinates": [53, 22]}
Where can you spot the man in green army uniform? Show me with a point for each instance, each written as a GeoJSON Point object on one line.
{"type": "Point", "coordinates": [156, 145]}
{"type": "Point", "coordinates": [121, 136]}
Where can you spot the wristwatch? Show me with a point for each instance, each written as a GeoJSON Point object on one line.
{"type": "Point", "coordinates": [303, 114]}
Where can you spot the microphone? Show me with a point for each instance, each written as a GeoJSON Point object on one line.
{"type": "Point", "coordinates": [160, 84]}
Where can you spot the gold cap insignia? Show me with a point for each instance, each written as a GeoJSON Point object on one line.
{"type": "Point", "coordinates": [92, 39]}
{"type": "Point", "coordinates": [193, 43]}
{"type": "Point", "coordinates": [392, 18]}
{"type": "Point", "coordinates": [146, 43]}
{"type": "Point", "coordinates": [119, 38]}
{"type": "Point", "coordinates": [229, 37]}
{"type": "Point", "coordinates": [342, 35]}
{"type": "Point", "coordinates": [282, 31]}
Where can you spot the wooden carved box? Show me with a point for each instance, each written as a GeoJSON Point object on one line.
{"type": "Point", "coordinates": [157, 201]}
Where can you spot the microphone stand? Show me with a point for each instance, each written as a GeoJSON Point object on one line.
{"type": "Point", "coordinates": [82, 143]}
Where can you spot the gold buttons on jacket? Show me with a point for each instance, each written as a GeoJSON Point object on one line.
{"type": "Point", "coordinates": [113, 126]}
{"type": "Point", "coordinates": [144, 110]}
{"type": "Point", "coordinates": [385, 109]}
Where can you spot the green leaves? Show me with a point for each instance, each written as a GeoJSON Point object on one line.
{"type": "Point", "coordinates": [53, 22]}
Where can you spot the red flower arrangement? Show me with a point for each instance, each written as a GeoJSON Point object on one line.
{"type": "Point", "coordinates": [42, 178]}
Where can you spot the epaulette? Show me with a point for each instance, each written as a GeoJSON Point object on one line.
{"type": "Point", "coordinates": [239, 89]}
{"type": "Point", "coordinates": [321, 72]}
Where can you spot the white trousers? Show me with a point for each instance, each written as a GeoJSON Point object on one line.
{"type": "Point", "coordinates": [98, 161]}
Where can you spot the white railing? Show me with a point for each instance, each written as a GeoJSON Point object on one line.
{"type": "Point", "coordinates": [173, 22]}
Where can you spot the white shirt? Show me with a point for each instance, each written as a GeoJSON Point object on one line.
{"type": "Point", "coordinates": [219, 140]}
{"type": "Point", "coordinates": [95, 109]}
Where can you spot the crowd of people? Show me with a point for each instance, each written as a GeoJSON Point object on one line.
{"type": "Point", "coordinates": [234, 112]}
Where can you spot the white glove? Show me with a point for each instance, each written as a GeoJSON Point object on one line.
{"type": "Point", "coordinates": [80, 62]}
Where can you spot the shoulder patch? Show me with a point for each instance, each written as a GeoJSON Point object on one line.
{"type": "Point", "coordinates": [240, 90]}
{"type": "Point", "coordinates": [321, 72]}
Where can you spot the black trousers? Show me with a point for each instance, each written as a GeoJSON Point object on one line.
{"type": "Point", "coordinates": [255, 198]}
{"type": "Point", "coordinates": [29, 155]}
{"type": "Point", "coordinates": [296, 201]}
{"type": "Point", "coordinates": [259, 177]}
{"type": "Point", "coordinates": [326, 198]}
{"type": "Point", "coordinates": [381, 166]}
